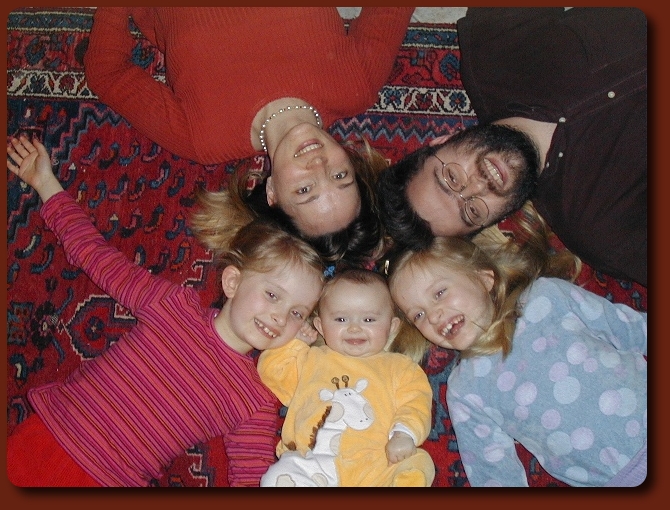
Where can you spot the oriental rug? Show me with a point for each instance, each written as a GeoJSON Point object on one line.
{"type": "Point", "coordinates": [139, 197]}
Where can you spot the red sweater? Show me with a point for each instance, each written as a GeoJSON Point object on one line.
{"type": "Point", "coordinates": [223, 64]}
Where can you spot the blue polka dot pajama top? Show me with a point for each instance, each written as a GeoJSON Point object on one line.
{"type": "Point", "coordinates": [573, 391]}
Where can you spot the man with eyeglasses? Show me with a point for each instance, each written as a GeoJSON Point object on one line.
{"type": "Point", "coordinates": [561, 100]}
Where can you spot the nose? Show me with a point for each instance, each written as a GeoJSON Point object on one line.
{"type": "Point", "coordinates": [279, 318]}
{"type": "Point", "coordinates": [434, 315]}
{"type": "Point", "coordinates": [474, 187]}
{"type": "Point", "coordinates": [354, 326]}
{"type": "Point", "coordinates": [318, 161]}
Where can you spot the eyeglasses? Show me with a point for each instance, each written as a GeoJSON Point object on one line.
{"type": "Point", "coordinates": [475, 209]}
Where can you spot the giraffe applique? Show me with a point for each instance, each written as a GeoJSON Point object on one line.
{"type": "Point", "coordinates": [348, 409]}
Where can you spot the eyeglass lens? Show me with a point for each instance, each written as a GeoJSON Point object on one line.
{"type": "Point", "coordinates": [457, 179]}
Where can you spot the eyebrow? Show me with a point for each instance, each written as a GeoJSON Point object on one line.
{"type": "Point", "coordinates": [375, 313]}
{"type": "Point", "coordinates": [278, 289]}
{"type": "Point", "coordinates": [315, 197]}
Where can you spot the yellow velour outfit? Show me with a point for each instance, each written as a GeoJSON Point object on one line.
{"type": "Point", "coordinates": [368, 398]}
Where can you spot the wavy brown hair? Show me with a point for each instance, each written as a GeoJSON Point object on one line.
{"type": "Point", "coordinates": [221, 214]}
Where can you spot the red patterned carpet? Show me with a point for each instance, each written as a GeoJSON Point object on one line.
{"type": "Point", "coordinates": [140, 197]}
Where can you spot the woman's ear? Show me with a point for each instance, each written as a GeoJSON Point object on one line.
{"type": "Point", "coordinates": [439, 140]}
{"type": "Point", "coordinates": [270, 191]}
{"type": "Point", "coordinates": [487, 277]}
{"type": "Point", "coordinates": [230, 280]}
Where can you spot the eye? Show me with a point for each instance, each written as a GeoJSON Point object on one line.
{"type": "Point", "coordinates": [369, 319]}
{"type": "Point", "coordinates": [440, 293]}
{"type": "Point", "coordinates": [417, 317]}
{"type": "Point", "coordinates": [303, 190]}
{"type": "Point", "coordinates": [340, 175]}
{"type": "Point", "coordinates": [271, 295]}
{"type": "Point", "coordinates": [297, 314]}
{"type": "Point", "coordinates": [340, 319]}
{"type": "Point", "coordinates": [473, 211]}
{"type": "Point", "coordinates": [452, 177]}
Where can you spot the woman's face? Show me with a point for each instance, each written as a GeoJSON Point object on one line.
{"type": "Point", "coordinates": [313, 181]}
{"type": "Point", "coordinates": [450, 309]}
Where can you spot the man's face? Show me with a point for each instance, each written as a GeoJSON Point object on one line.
{"type": "Point", "coordinates": [496, 173]}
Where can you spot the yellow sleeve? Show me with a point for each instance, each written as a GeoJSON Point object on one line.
{"type": "Point", "coordinates": [414, 398]}
{"type": "Point", "coordinates": [280, 368]}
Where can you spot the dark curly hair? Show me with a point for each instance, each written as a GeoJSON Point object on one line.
{"type": "Point", "coordinates": [401, 222]}
{"type": "Point", "coordinates": [405, 226]}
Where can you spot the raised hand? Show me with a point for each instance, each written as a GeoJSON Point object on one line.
{"type": "Point", "coordinates": [307, 333]}
{"type": "Point", "coordinates": [31, 162]}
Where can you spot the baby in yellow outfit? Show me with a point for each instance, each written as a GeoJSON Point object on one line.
{"type": "Point", "coordinates": [356, 412]}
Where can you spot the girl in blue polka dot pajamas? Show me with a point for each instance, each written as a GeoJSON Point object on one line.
{"type": "Point", "coordinates": [543, 362]}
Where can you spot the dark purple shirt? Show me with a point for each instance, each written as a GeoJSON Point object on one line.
{"type": "Point", "coordinates": [584, 69]}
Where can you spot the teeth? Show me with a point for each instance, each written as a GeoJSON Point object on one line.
{"type": "Point", "coordinates": [494, 172]}
{"type": "Point", "coordinates": [265, 329]}
{"type": "Point", "coordinates": [447, 329]}
{"type": "Point", "coordinates": [307, 149]}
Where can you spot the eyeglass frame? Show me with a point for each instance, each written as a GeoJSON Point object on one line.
{"type": "Point", "coordinates": [471, 200]}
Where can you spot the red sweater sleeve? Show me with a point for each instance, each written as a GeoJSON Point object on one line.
{"type": "Point", "coordinates": [378, 33]}
{"type": "Point", "coordinates": [148, 105]}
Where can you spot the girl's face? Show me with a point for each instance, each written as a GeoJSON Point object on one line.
{"type": "Point", "coordinates": [313, 181]}
{"type": "Point", "coordinates": [450, 309]}
{"type": "Point", "coordinates": [266, 310]}
{"type": "Point", "coordinates": [357, 319]}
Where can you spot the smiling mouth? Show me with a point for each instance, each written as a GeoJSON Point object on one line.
{"type": "Point", "coordinates": [493, 172]}
{"type": "Point", "coordinates": [268, 332]}
{"type": "Point", "coordinates": [453, 326]}
{"type": "Point", "coordinates": [311, 147]}
{"type": "Point", "coordinates": [355, 341]}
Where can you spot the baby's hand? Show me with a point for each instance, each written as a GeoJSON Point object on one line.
{"type": "Point", "coordinates": [307, 333]}
{"type": "Point", "coordinates": [31, 162]}
{"type": "Point", "coordinates": [399, 447]}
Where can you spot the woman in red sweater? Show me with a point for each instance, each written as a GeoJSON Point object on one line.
{"type": "Point", "coordinates": [244, 80]}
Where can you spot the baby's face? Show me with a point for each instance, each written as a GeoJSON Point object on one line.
{"type": "Point", "coordinates": [450, 309]}
{"type": "Point", "coordinates": [357, 319]}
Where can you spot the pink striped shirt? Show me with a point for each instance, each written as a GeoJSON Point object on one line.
{"type": "Point", "coordinates": [166, 385]}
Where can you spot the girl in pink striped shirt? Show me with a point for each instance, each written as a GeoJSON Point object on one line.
{"type": "Point", "coordinates": [182, 375]}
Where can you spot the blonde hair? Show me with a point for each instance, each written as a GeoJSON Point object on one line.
{"type": "Point", "coordinates": [409, 340]}
{"type": "Point", "coordinates": [516, 262]}
{"type": "Point", "coordinates": [222, 213]}
{"type": "Point", "coordinates": [261, 246]}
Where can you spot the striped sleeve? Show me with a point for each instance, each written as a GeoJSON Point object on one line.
{"type": "Point", "coordinates": [251, 447]}
{"type": "Point", "coordinates": [126, 282]}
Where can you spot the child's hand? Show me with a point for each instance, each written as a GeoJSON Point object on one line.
{"type": "Point", "coordinates": [307, 333]}
{"type": "Point", "coordinates": [31, 162]}
{"type": "Point", "coordinates": [399, 447]}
